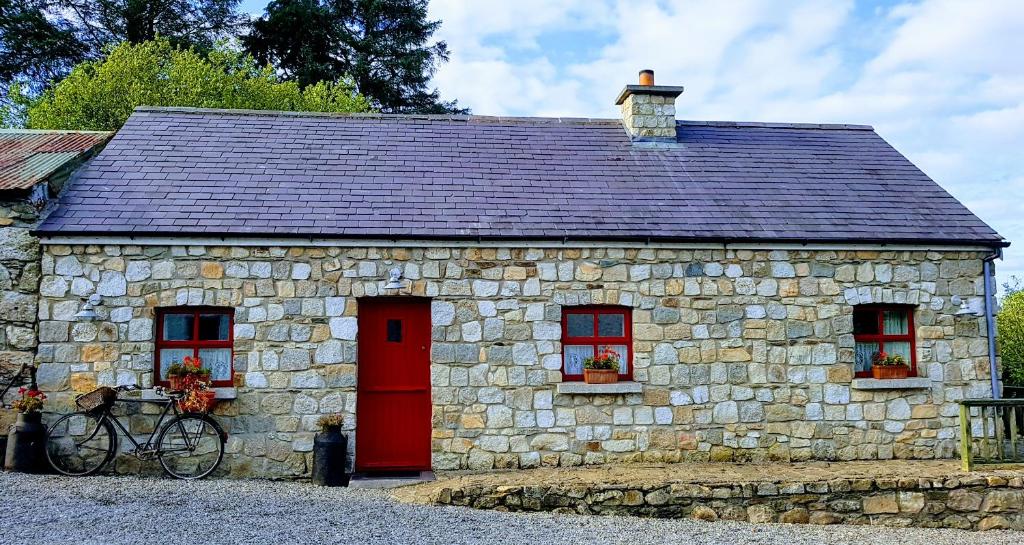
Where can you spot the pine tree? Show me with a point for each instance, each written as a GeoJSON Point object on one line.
{"type": "Point", "coordinates": [41, 40]}
{"type": "Point", "coordinates": [384, 45]}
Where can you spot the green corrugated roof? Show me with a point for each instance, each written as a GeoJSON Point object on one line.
{"type": "Point", "coordinates": [28, 157]}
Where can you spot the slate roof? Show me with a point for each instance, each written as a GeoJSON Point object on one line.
{"type": "Point", "coordinates": [205, 172]}
{"type": "Point", "coordinates": [28, 157]}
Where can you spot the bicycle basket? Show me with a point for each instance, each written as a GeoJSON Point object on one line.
{"type": "Point", "coordinates": [96, 400]}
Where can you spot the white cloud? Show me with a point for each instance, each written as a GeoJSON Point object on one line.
{"type": "Point", "coordinates": [942, 80]}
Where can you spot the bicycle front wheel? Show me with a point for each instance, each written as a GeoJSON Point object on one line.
{"type": "Point", "coordinates": [80, 444]}
{"type": "Point", "coordinates": [191, 446]}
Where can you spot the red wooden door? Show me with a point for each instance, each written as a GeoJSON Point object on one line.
{"type": "Point", "coordinates": [393, 402]}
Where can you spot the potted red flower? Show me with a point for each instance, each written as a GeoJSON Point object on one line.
{"type": "Point", "coordinates": [887, 366]}
{"type": "Point", "coordinates": [179, 375]}
{"type": "Point", "coordinates": [602, 368]}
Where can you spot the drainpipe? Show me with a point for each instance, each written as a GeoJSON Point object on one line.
{"type": "Point", "coordinates": [990, 320]}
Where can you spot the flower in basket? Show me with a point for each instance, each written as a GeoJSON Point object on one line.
{"type": "Point", "coordinates": [328, 421]}
{"type": "Point", "coordinates": [31, 401]}
{"type": "Point", "coordinates": [885, 359]}
{"type": "Point", "coordinates": [605, 359]}
{"type": "Point", "coordinates": [198, 398]}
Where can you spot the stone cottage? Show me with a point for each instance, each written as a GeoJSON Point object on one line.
{"type": "Point", "coordinates": [438, 280]}
{"type": "Point", "coordinates": [34, 166]}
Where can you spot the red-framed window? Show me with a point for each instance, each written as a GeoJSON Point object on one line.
{"type": "Point", "coordinates": [204, 332]}
{"type": "Point", "coordinates": [589, 329]}
{"type": "Point", "coordinates": [883, 328]}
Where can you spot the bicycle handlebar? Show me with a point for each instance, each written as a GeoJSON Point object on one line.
{"type": "Point", "coordinates": [127, 388]}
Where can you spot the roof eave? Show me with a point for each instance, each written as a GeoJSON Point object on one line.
{"type": "Point", "coordinates": [990, 243]}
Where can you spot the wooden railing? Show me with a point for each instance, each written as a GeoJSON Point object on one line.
{"type": "Point", "coordinates": [991, 432]}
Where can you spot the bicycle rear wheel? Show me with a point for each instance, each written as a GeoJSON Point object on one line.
{"type": "Point", "coordinates": [80, 444]}
{"type": "Point", "coordinates": [191, 446]}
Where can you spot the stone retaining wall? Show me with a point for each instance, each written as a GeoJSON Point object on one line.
{"type": "Point", "coordinates": [740, 355]}
{"type": "Point", "coordinates": [969, 502]}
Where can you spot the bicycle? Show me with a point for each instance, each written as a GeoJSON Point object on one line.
{"type": "Point", "coordinates": [188, 446]}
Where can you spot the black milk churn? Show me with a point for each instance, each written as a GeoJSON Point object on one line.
{"type": "Point", "coordinates": [26, 442]}
{"type": "Point", "coordinates": [330, 457]}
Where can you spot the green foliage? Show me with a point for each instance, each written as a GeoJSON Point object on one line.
{"type": "Point", "coordinates": [1010, 322]}
{"type": "Point", "coordinates": [382, 44]}
{"type": "Point", "coordinates": [100, 95]}
{"type": "Point", "coordinates": [41, 40]}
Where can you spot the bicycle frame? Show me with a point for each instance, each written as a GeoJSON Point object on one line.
{"type": "Point", "coordinates": [147, 447]}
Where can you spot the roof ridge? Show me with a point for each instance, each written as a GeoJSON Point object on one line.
{"type": "Point", "coordinates": [776, 125]}
{"type": "Point", "coordinates": [496, 118]}
{"type": "Point", "coordinates": [374, 115]}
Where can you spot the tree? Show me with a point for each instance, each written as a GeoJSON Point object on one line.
{"type": "Point", "coordinates": [1013, 285]}
{"type": "Point", "coordinates": [41, 40]}
{"type": "Point", "coordinates": [100, 95]}
{"type": "Point", "coordinates": [1010, 322]}
{"type": "Point", "coordinates": [33, 46]}
{"type": "Point", "coordinates": [383, 44]}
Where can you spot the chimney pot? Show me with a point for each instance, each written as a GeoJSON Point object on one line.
{"type": "Point", "coordinates": [647, 77]}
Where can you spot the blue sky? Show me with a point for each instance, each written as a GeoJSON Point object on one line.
{"type": "Point", "coordinates": [941, 80]}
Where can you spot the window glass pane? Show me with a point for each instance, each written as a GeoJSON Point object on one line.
{"type": "Point", "coordinates": [213, 327]}
{"type": "Point", "coordinates": [865, 322]}
{"type": "Point", "coordinates": [170, 356]}
{"type": "Point", "coordinates": [394, 331]}
{"type": "Point", "coordinates": [178, 327]}
{"type": "Point", "coordinates": [574, 356]}
{"type": "Point", "coordinates": [611, 325]}
{"type": "Point", "coordinates": [580, 325]}
{"type": "Point", "coordinates": [218, 361]}
{"type": "Point", "coordinates": [895, 322]}
{"type": "Point", "coordinates": [898, 347]}
{"type": "Point", "coordinates": [619, 349]}
{"type": "Point", "coordinates": [865, 353]}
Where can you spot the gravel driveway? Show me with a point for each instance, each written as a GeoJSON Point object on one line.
{"type": "Point", "coordinates": [102, 510]}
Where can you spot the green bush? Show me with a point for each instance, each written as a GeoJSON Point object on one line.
{"type": "Point", "coordinates": [100, 95]}
{"type": "Point", "coordinates": [1011, 337]}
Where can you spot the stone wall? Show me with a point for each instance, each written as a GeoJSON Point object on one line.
{"type": "Point", "coordinates": [742, 355]}
{"type": "Point", "coordinates": [19, 285]}
{"type": "Point", "coordinates": [975, 502]}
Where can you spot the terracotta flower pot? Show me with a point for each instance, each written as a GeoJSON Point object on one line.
{"type": "Point", "coordinates": [889, 371]}
{"type": "Point", "coordinates": [600, 376]}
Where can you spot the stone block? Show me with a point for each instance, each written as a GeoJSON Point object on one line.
{"type": "Point", "coordinates": [798, 515]}
{"type": "Point", "coordinates": [997, 501]}
{"type": "Point", "coordinates": [294, 359]}
{"type": "Point", "coordinates": [344, 328]}
{"type": "Point", "coordinates": [880, 504]}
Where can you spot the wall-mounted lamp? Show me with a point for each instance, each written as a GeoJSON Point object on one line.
{"type": "Point", "coordinates": [967, 306]}
{"type": "Point", "coordinates": [88, 312]}
{"type": "Point", "coordinates": [394, 280]}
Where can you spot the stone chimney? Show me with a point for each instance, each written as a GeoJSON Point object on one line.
{"type": "Point", "coordinates": [649, 110]}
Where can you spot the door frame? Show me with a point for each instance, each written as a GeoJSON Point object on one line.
{"type": "Point", "coordinates": [362, 303]}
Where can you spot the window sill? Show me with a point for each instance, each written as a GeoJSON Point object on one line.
{"type": "Point", "coordinates": [912, 383]}
{"type": "Point", "coordinates": [582, 388]}
{"type": "Point", "coordinates": [223, 393]}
